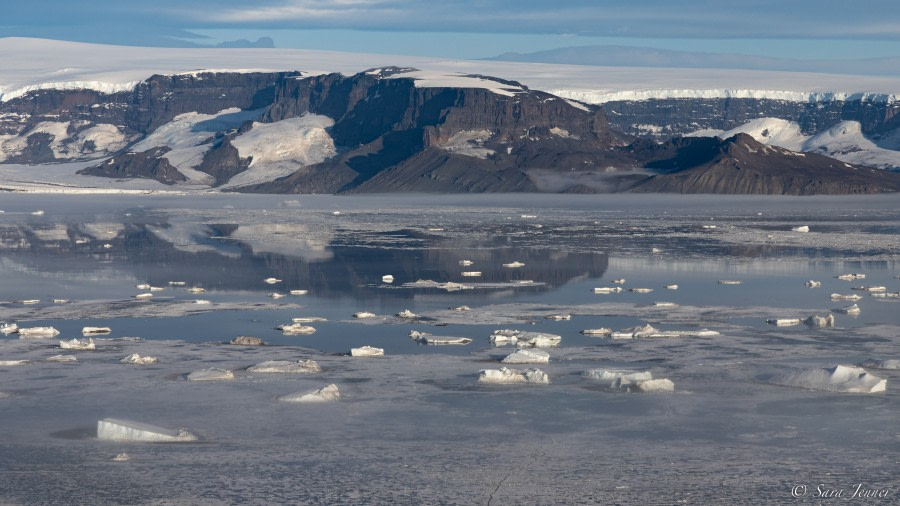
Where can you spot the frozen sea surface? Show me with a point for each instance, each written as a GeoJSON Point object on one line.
{"type": "Point", "coordinates": [414, 426]}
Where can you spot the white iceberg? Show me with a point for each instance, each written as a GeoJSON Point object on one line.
{"type": "Point", "coordinates": [363, 314]}
{"type": "Point", "coordinates": [852, 296]}
{"type": "Point", "coordinates": [9, 328]}
{"type": "Point", "coordinates": [558, 317]}
{"type": "Point", "coordinates": [602, 331]}
{"type": "Point", "coordinates": [840, 378]}
{"type": "Point", "coordinates": [820, 321]}
{"type": "Point", "coordinates": [12, 363]}
{"type": "Point", "coordinates": [888, 295]}
{"type": "Point", "coordinates": [813, 284]}
{"type": "Point", "coordinates": [387, 278]}
{"type": "Point", "coordinates": [630, 381]}
{"type": "Point", "coordinates": [296, 329]}
{"type": "Point", "coordinates": [514, 265]}
{"type": "Point", "coordinates": [471, 274]}
{"type": "Point", "coordinates": [308, 319]}
{"type": "Point", "coordinates": [121, 457]}
{"type": "Point", "coordinates": [95, 330]}
{"type": "Point", "coordinates": [272, 281]}
{"type": "Point", "coordinates": [37, 332]}
{"type": "Point", "coordinates": [466, 263]}
{"type": "Point", "coordinates": [524, 339]}
{"type": "Point", "coordinates": [276, 295]}
{"type": "Point", "coordinates": [512, 376]}
{"type": "Point", "coordinates": [672, 287]}
{"type": "Point", "coordinates": [62, 358]}
{"type": "Point", "coordinates": [78, 344]}
{"type": "Point", "coordinates": [366, 351]}
{"type": "Point", "coordinates": [136, 359]}
{"type": "Point", "coordinates": [28, 301]}
{"type": "Point", "coordinates": [112, 429]}
{"type": "Point", "coordinates": [426, 338]}
{"type": "Point", "coordinates": [247, 341]}
{"type": "Point", "coordinates": [893, 364]}
{"type": "Point", "coordinates": [177, 283]}
{"type": "Point", "coordinates": [146, 295]}
{"type": "Point", "coordinates": [852, 310]}
{"type": "Point", "coordinates": [527, 356]}
{"type": "Point", "coordinates": [286, 367]}
{"type": "Point", "coordinates": [211, 374]}
{"type": "Point", "coordinates": [196, 289]}
{"type": "Point", "coordinates": [784, 322]}
{"type": "Point", "coordinates": [406, 313]}
{"type": "Point", "coordinates": [640, 290]}
{"type": "Point", "coordinates": [328, 393]}
{"type": "Point", "coordinates": [608, 289]}
{"type": "Point", "coordinates": [298, 292]}
{"type": "Point", "coordinates": [729, 282]}
{"type": "Point", "coordinates": [802, 228]}
{"type": "Point", "coordinates": [870, 288]}
{"type": "Point", "coordinates": [851, 277]}
{"type": "Point", "coordinates": [620, 281]}
{"type": "Point", "coordinates": [142, 286]}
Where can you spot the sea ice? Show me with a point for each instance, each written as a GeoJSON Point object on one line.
{"type": "Point", "coordinates": [276, 295]}
{"type": "Point", "coordinates": [136, 359]}
{"type": "Point", "coordinates": [852, 296]}
{"type": "Point", "coordinates": [784, 322]}
{"type": "Point", "coordinates": [37, 332]}
{"type": "Point", "coordinates": [466, 263]}
{"type": "Point", "coordinates": [325, 394]}
{"type": "Point", "coordinates": [603, 331]}
{"type": "Point", "coordinates": [850, 277]}
{"type": "Point", "coordinates": [558, 317]}
{"type": "Point", "coordinates": [870, 288]}
{"type": "Point", "coordinates": [363, 314]}
{"type": "Point", "coordinates": [387, 278]}
{"type": "Point", "coordinates": [308, 319]}
{"type": "Point", "coordinates": [298, 292]}
{"type": "Point", "coordinates": [640, 290]}
{"type": "Point", "coordinates": [426, 338]}
{"type": "Point", "coordinates": [121, 457]}
{"type": "Point", "coordinates": [406, 313]}
{"type": "Point", "coordinates": [608, 289]}
{"type": "Point", "coordinates": [630, 381]}
{"type": "Point", "coordinates": [471, 274]}
{"type": "Point", "coordinates": [852, 310]}
{"type": "Point", "coordinates": [665, 304]}
{"type": "Point", "coordinates": [366, 351]}
{"type": "Point", "coordinates": [95, 330]}
{"type": "Point", "coordinates": [671, 287]}
{"type": "Point", "coordinates": [272, 281]}
{"type": "Point", "coordinates": [620, 281]}
{"type": "Point", "coordinates": [9, 328]}
{"type": "Point", "coordinates": [62, 358]}
{"type": "Point", "coordinates": [146, 295]}
{"type": "Point", "coordinates": [296, 329]}
{"type": "Point", "coordinates": [813, 284]}
{"type": "Point", "coordinates": [527, 356]}
{"type": "Point", "coordinates": [247, 341]}
{"type": "Point", "coordinates": [633, 332]}
{"type": "Point", "coordinates": [507, 376]}
{"type": "Point", "coordinates": [820, 321]}
{"type": "Point", "coordinates": [514, 265]}
{"type": "Point", "coordinates": [729, 282]}
{"type": "Point", "coordinates": [78, 344]}
{"type": "Point", "coordinates": [124, 430]}
{"type": "Point", "coordinates": [286, 366]}
{"type": "Point", "coordinates": [802, 228]}
{"type": "Point", "coordinates": [211, 374]}
{"type": "Point", "coordinates": [196, 289]}
{"type": "Point", "coordinates": [840, 378]}
{"type": "Point", "coordinates": [12, 363]}
{"type": "Point", "coordinates": [881, 364]}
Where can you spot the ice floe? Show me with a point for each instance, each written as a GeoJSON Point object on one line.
{"type": "Point", "coordinates": [387, 278]}
{"type": "Point", "coordinates": [852, 310]}
{"type": "Point", "coordinates": [850, 277]}
{"type": "Point", "coordinates": [470, 274]}
{"type": "Point", "coordinates": [298, 292]}
{"type": "Point", "coordinates": [145, 295]}
{"type": "Point", "coordinates": [870, 288]}
{"type": "Point", "coordinates": [730, 282]}
{"type": "Point", "coordinates": [196, 289]}
{"type": "Point", "coordinates": [121, 457]}
{"type": "Point", "coordinates": [887, 295]}
{"type": "Point", "coordinates": [813, 284]}
{"type": "Point", "coordinates": [802, 228]}
{"type": "Point", "coordinates": [366, 351]}
{"type": "Point", "coordinates": [12, 363]}
{"type": "Point", "coordinates": [620, 281]}
{"type": "Point", "coordinates": [630, 381]}
{"type": "Point", "coordinates": [514, 265]}
{"type": "Point", "coordinates": [95, 330]}
{"type": "Point", "coordinates": [648, 330]}
{"type": "Point", "coordinates": [328, 393]}
{"type": "Point", "coordinates": [272, 281]}
{"type": "Point", "coordinates": [286, 367]}
{"type": "Point", "coordinates": [523, 339]}
{"type": "Point", "coordinates": [527, 356]}
{"type": "Point", "coordinates": [512, 376]}
{"type": "Point", "coordinates": [893, 364]}
{"type": "Point", "coordinates": [608, 289]}
{"type": "Point", "coordinates": [826, 321]}
{"type": "Point", "coordinates": [136, 359]}
{"type": "Point", "coordinates": [671, 287]}
{"type": "Point", "coordinates": [37, 332]}
{"type": "Point", "coordinates": [363, 314]}
{"type": "Point", "coordinates": [296, 329]}
{"type": "Point", "coordinates": [852, 296]}
{"type": "Point", "coordinates": [840, 378]}
{"type": "Point", "coordinates": [211, 374]}
{"type": "Point", "coordinates": [113, 429]}
{"type": "Point", "coordinates": [62, 358]}
{"type": "Point", "coordinates": [78, 344]}
{"type": "Point", "coordinates": [558, 317]}
{"type": "Point", "coordinates": [640, 290]}
{"type": "Point", "coordinates": [308, 319]}
{"type": "Point", "coordinates": [276, 295]}
{"type": "Point", "coordinates": [602, 331]}
{"type": "Point", "coordinates": [426, 338]}
{"type": "Point", "coordinates": [9, 328]}
{"type": "Point", "coordinates": [784, 322]}
{"type": "Point", "coordinates": [247, 341]}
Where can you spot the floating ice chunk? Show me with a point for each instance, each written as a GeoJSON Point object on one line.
{"type": "Point", "coordinates": [784, 322]}
{"type": "Point", "coordinates": [608, 289]}
{"type": "Point", "coordinates": [202, 301]}
{"type": "Point", "coordinates": [611, 375]}
{"type": "Point", "coordinates": [620, 281]}
{"type": "Point", "coordinates": [78, 344]}
{"type": "Point", "coordinates": [406, 313]}
{"type": "Point", "coordinates": [296, 329]}
{"type": "Point", "coordinates": [527, 356]}
{"type": "Point", "coordinates": [328, 393]}
{"type": "Point", "coordinates": [426, 338]}
{"type": "Point", "coordinates": [850, 277]}
{"type": "Point", "coordinates": [633, 332]}
{"type": "Point", "coordinates": [870, 288]}
{"type": "Point", "coordinates": [537, 340]}
{"type": "Point", "coordinates": [298, 292]}
{"type": "Point", "coordinates": [272, 281]}
{"type": "Point", "coordinates": [37, 332]}
{"type": "Point", "coordinates": [820, 321]}
{"type": "Point", "coordinates": [308, 319]}
{"type": "Point", "coordinates": [196, 289]}
{"type": "Point", "coordinates": [813, 284]}
{"type": "Point", "coordinates": [511, 376]}
{"type": "Point", "coordinates": [107, 246]}
{"type": "Point", "coordinates": [802, 228]}
{"type": "Point", "coordinates": [59, 301]}
{"type": "Point", "coordinates": [142, 286]}
{"type": "Point", "coordinates": [603, 331]}
{"type": "Point", "coordinates": [656, 250]}
{"type": "Point", "coordinates": [37, 213]}
{"type": "Point", "coordinates": [893, 364]}
{"type": "Point", "coordinates": [12, 363]}
{"type": "Point", "coordinates": [471, 274]}
{"type": "Point", "coordinates": [363, 314]}
{"type": "Point", "coordinates": [630, 381]}
{"type": "Point", "coordinates": [366, 351]}
{"type": "Point", "coordinates": [890, 295]}
{"type": "Point", "coordinates": [654, 385]}
{"type": "Point", "coordinates": [276, 295]}
{"type": "Point", "coordinates": [95, 330]}
{"type": "Point", "coordinates": [665, 304]}
{"type": "Point", "coordinates": [514, 265]}
{"type": "Point", "coordinates": [466, 263]}
{"type": "Point", "coordinates": [113, 429]}
{"type": "Point", "coordinates": [841, 378]}
{"type": "Point", "coordinates": [122, 457]}
{"type": "Point", "coordinates": [709, 227]}
{"type": "Point", "coordinates": [136, 359]}
{"type": "Point", "coordinates": [558, 317]}
{"type": "Point", "coordinates": [671, 287]}
{"type": "Point", "coordinates": [852, 310]}
{"type": "Point", "coordinates": [852, 296]}
{"type": "Point", "coordinates": [146, 295]}
{"type": "Point", "coordinates": [211, 374]}
{"type": "Point", "coordinates": [156, 288]}
{"type": "Point", "coordinates": [177, 283]}
{"type": "Point", "coordinates": [28, 302]}
{"type": "Point", "coordinates": [640, 290]}
{"type": "Point", "coordinates": [729, 282]}
{"type": "Point", "coordinates": [461, 308]}
{"type": "Point", "coordinates": [286, 367]}
{"type": "Point", "coordinates": [686, 333]}
{"type": "Point", "coordinates": [247, 341]}
{"type": "Point", "coordinates": [62, 358]}
{"type": "Point", "coordinates": [387, 278]}
{"type": "Point", "coordinates": [9, 328]}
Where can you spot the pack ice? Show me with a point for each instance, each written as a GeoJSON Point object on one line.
{"type": "Point", "coordinates": [426, 338]}
{"type": "Point", "coordinates": [524, 339]}
{"type": "Point", "coordinates": [78, 344]}
{"type": "Point", "coordinates": [211, 374]}
{"type": "Point", "coordinates": [840, 378]}
{"type": "Point", "coordinates": [366, 351]}
{"type": "Point", "coordinates": [113, 429]}
{"type": "Point", "coordinates": [136, 359]}
{"type": "Point", "coordinates": [527, 356]}
{"type": "Point", "coordinates": [37, 332]}
{"type": "Point", "coordinates": [286, 366]}
{"type": "Point", "coordinates": [630, 381]}
{"type": "Point", "coordinates": [324, 394]}
{"type": "Point", "coordinates": [508, 376]}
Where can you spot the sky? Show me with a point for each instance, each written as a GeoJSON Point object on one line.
{"type": "Point", "coordinates": [802, 29]}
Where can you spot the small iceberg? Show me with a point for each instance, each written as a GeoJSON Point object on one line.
{"type": "Point", "coordinates": [202, 301]}
{"type": "Point", "coordinates": [630, 381]}
{"type": "Point", "coordinates": [671, 287]}
{"type": "Point", "coordinates": [608, 289]}
{"type": "Point", "coordinates": [784, 322]}
{"type": "Point", "coordinates": [852, 296]}
{"type": "Point", "coordinates": [406, 313]}
{"type": "Point", "coordinates": [78, 344]}
{"type": "Point", "coordinates": [296, 329]}
{"type": "Point", "coordinates": [9, 328]}
{"type": "Point", "coordinates": [286, 367]}
{"type": "Point", "coordinates": [196, 289]}
{"type": "Point", "coordinates": [514, 265]}
{"type": "Point", "coordinates": [112, 429]}
{"type": "Point", "coordinates": [366, 351]}
{"type": "Point", "coordinates": [465, 263]}
{"type": "Point", "coordinates": [136, 359]}
{"type": "Point", "coordinates": [156, 288]}
{"type": "Point", "coordinates": [852, 310]}
{"type": "Point", "coordinates": [887, 295]}
{"type": "Point", "coordinates": [603, 331]}
{"type": "Point", "coordinates": [211, 374]}
{"type": "Point", "coordinates": [387, 278]}
{"type": "Point", "coordinates": [826, 321]}
{"type": "Point", "coordinates": [62, 358]}
{"type": "Point", "coordinates": [524, 339]}
{"type": "Point", "coordinates": [298, 292]}
{"type": "Point", "coordinates": [308, 319]}
{"type": "Point", "coordinates": [665, 304]}
{"type": "Point", "coordinates": [37, 332]}
{"type": "Point", "coordinates": [121, 457]}
{"type": "Point", "coordinates": [840, 378]}
{"type": "Point", "coordinates": [527, 356]}
{"type": "Point", "coordinates": [892, 364]}
{"type": "Point", "coordinates": [813, 284]}
{"type": "Point", "coordinates": [640, 290]}
{"type": "Point", "coordinates": [505, 376]}
{"type": "Point", "coordinates": [877, 289]}
{"type": "Point", "coordinates": [12, 363]}
{"type": "Point", "coordinates": [426, 338]}
{"type": "Point", "coordinates": [247, 341]}
{"type": "Point", "coordinates": [635, 332]}
{"type": "Point", "coordinates": [142, 286]}
{"type": "Point", "coordinates": [558, 317]}
{"type": "Point", "coordinates": [802, 228]}
{"type": "Point", "coordinates": [850, 277]}
{"type": "Point", "coordinates": [471, 274]}
{"type": "Point", "coordinates": [729, 282]}
{"type": "Point", "coordinates": [328, 393]}
{"type": "Point", "coordinates": [648, 330]}
{"type": "Point", "coordinates": [145, 295]}
{"type": "Point", "coordinates": [620, 281]}
{"type": "Point", "coordinates": [272, 281]}
{"type": "Point", "coordinates": [363, 314]}
{"type": "Point", "coordinates": [460, 308]}
{"type": "Point", "coordinates": [95, 330]}
{"type": "Point", "coordinates": [177, 283]}
{"type": "Point", "coordinates": [276, 295]}
{"type": "Point", "coordinates": [28, 302]}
